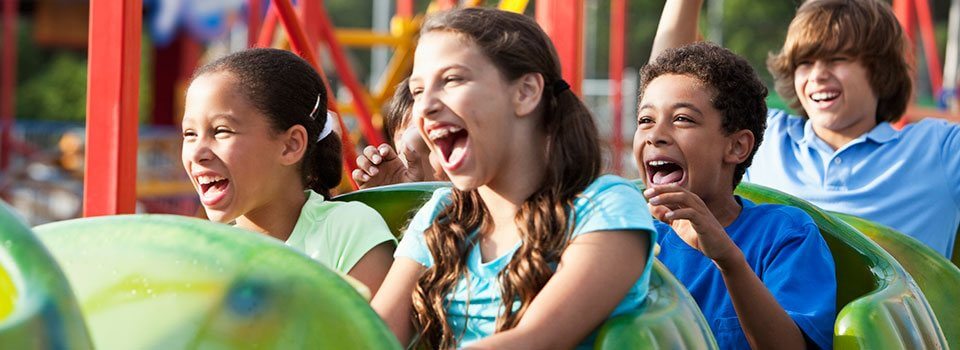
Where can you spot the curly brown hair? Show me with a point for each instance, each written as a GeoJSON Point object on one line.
{"type": "Point", "coordinates": [738, 93]}
{"type": "Point", "coordinates": [517, 46]}
{"type": "Point", "coordinates": [865, 30]}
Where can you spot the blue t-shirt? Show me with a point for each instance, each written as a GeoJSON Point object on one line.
{"type": "Point", "coordinates": [907, 179]}
{"type": "Point", "coordinates": [609, 203]}
{"type": "Point", "coordinates": [784, 248]}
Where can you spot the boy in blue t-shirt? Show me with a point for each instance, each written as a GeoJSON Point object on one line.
{"type": "Point", "coordinates": [762, 274]}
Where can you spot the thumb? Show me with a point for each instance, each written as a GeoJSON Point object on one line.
{"type": "Point", "coordinates": [414, 170]}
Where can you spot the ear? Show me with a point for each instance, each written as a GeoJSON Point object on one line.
{"type": "Point", "coordinates": [739, 146]}
{"type": "Point", "coordinates": [528, 93]}
{"type": "Point", "coordinates": [294, 142]}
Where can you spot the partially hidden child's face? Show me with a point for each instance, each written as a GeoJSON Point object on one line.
{"type": "Point", "coordinates": [428, 163]}
{"type": "Point", "coordinates": [680, 138]}
{"type": "Point", "coordinates": [462, 108]}
{"type": "Point", "coordinates": [229, 149]}
{"type": "Point", "coordinates": [836, 94]}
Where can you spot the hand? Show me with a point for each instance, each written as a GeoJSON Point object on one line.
{"type": "Point", "coordinates": [379, 166]}
{"type": "Point", "coordinates": [686, 213]}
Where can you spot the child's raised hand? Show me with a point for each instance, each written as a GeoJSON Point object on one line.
{"type": "Point", "coordinates": [379, 166]}
{"type": "Point", "coordinates": [686, 213]}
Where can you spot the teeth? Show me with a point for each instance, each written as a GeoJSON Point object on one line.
{"type": "Point", "coordinates": [820, 96]}
{"type": "Point", "coordinates": [440, 133]}
{"type": "Point", "coordinates": [203, 180]}
{"type": "Point", "coordinates": [658, 163]}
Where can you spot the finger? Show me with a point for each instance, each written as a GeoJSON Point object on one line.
{"type": "Point", "coordinates": [689, 214]}
{"type": "Point", "coordinates": [659, 189]}
{"type": "Point", "coordinates": [659, 212]}
{"type": "Point", "coordinates": [414, 167]}
{"type": "Point", "coordinates": [364, 164]}
{"type": "Point", "coordinates": [387, 152]}
{"type": "Point", "coordinates": [672, 199]}
{"type": "Point", "coordinates": [373, 154]}
{"type": "Point", "coordinates": [360, 177]}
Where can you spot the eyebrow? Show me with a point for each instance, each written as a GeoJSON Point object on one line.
{"type": "Point", "coordinates": [677, 105]}
{"type": "Point", "coordinates": [444, 69]}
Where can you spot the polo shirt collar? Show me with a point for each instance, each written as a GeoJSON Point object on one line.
{"type": "Point", "coordinates": [803, 133]}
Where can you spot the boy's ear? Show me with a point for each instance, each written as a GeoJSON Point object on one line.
{"type": "Point", "coordinates": [739, 148]}
{"type": "Point", "coordinates": [529, 91]}
{"type": "Point", "coordinates": [294, 142]}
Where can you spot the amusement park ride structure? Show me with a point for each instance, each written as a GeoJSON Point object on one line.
{"type": "Point", "coordinates": [114, 69]}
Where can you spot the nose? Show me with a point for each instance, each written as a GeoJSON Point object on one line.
{"type": "Point", "coordinates": [657, 135]}
{"type": "Point", "coordinates": [197, 151]}
{"type": "Point", "coordinates": [818, 71]}
{"type": "Point", "coordinates": [427, 105]}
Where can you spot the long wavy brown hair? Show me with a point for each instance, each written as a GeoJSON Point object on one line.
{"type": "Point", "coordinates": [517, 46]}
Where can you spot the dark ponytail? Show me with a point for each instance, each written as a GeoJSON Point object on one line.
{"type": "Point", "coordinates": [288, 91]}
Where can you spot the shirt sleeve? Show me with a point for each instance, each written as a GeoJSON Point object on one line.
{"type": "Point", "coordinates": [354, 230]}
{"type": "Point", "coordinates": [801, 260]}
{"type": "Point", "coordinates": [412, 244]}
{"type": "Point", "coordinates": [613, 206]}
{"type": "Point", "coordinates": [948, 157]}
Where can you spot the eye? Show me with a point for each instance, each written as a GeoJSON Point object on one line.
{"type": "Point", "coordinates": [683, 118]}
{"type": "Point", "coordinates": [644, 120]}
{"type": "Point", "coordinates": [416, 91]}
{"type": "Point", "coordinates": [222, 131]}
{"type": "Point", "coordinates": [189, 134]}
{"type": "Point", "coordinates": [839, 59]}
{"type": "Point", "coordinates": [452, 79]}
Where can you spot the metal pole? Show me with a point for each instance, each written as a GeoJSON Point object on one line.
{"type": "Point", "coordinates": [379, 55]}
{"type": "Point", "coordinates": [618, 16]}
{"type": "Point", "coordinates": [562, 20]}
{"type": "Point", "coordinates": [110, 181]}
{"type": "Point", "coordinates": [8, 80]}
{"type": "Point", "coordinates": [951, 61]}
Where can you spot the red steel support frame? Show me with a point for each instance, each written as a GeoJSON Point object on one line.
{"type": "Point", "coordinates": [254, 21]}
{"type": "Point", "coordinates": [930, 46]}
{"type": "Point", "coordinates": [317, 13]}
{"type": "Point", "coordinates": [8, 80]}
{"type": "Point", "coordinates": [112, 85]}
{"type": "Point", "coordinates": [617, 29]}
{"type": "Point", "coordinates": [562, 20]}
{"type": "Point", "coordinates": [405, 8]}
{"type": "Point", "coordinates": [300, 45]}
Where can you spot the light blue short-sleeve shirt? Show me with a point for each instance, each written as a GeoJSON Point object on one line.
{"type": "Point", "coordinates": [907, 179]}
{"type": "Point", "coordinates": [609, 203]}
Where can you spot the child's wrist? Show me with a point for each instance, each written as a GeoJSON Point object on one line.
{"type": "Point", "coordinates": [731, 262]}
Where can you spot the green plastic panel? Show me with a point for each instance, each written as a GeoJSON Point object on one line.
{"type": "Point", "coordinates": [671, 319]}
{"type": "Point", "coordinates": [937, 277]}
{"type": "Point", "coordinates": [37, 308]}
{"type": "Point", "coordinates": [173, 282]}
{"type": "Point", "coordinates": [880, 305]}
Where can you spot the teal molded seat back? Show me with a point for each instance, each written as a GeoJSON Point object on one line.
{"type": "Point", "coordinates": [936, 276]}
{"type": "Point", "coordinates": [670, 320]}
{"type": "Point", "coordinates": [37, 308]}
{"type": "Point", "coordinates": [174, 282]}
{"type": "Point", "coordinates": [880, 305]}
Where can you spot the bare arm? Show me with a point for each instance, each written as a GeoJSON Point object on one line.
{"type": "Point", "coordinates": [596, 271]}
{"type": "Point", "coordinates": [373, 266]}
{"type": "Point", "coordinates": [394, 302]}
{"type": "Point", "coordinates": [765, 323]}
{"type": "Point", "coordinates": [678, 26]}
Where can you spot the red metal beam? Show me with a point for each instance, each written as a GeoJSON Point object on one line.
{"type": "Point", "coordinates": [930, 46]}
{"type": "Point", "coordinates": [114, 71]}
{"type": "Point", "coordinates": [446, 4]}
{"type": "Point", "coordinates": [562, 20]}
{"type": "Point", "coordinates": [405, 8]}
{"type": "Point", "coordinates": [300, 45]}
{"type": "Point", "coordinates": [904, 10]}
{"type": "Point", "coordinates": [269, 28]}
{"type": "Point", "coordinates": [337, 53]}
{"type": "Point", "coordinates": [618, 15]}
{"type": "Point", "coordinates": [8, 80]}
{"type": "Point", "coordinates": [253, 21]}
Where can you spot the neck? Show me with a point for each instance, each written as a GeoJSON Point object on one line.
{"type": "Point", "coordinates": [276, 218]}
{"type": "Point", "coordinates": [725, 209]}
{"type": "Point", "coordinates": [838, 138]}
{"type": "Point", "coordinates": [517, 181]}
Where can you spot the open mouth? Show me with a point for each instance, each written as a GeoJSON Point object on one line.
{"type": "Point", "coordinates": [664, 172]}
{"type": "Point", "coordinates": [824, 96]}
{"type": "Point", "coordinates": [451, 141]}
{"type": "Point", "coordinates": [212, 188]}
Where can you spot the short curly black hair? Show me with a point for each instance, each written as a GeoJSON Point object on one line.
{"type": "Point", "coordinates": [738, 93]}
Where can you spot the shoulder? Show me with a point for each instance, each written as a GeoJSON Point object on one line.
{"type": "Point", "coordinates": [784, 219]}
{"type": "Point", "coordinates": [610, 184]}
{"type": "Point", "coordinates": [931, 130]}
{"type": "Point", "coordinates": [611, 203]}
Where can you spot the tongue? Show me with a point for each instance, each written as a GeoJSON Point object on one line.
{"type": "Point", "coordinates": [666, 177]}
{"type": "Point", "coordinates": [215, 188]}
{"type": "Point", "coordinates": [458, 149]}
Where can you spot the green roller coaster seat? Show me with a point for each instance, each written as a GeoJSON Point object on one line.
{"type": "Point", "coordinates": [174, 282]}
{"type": "Point", "coordinates": [37, 308]}
{"type": "Point", "coordinates": [932, 272]}
{"type": "Point", "coordinates": [880, 305]}
{"type": "Point", "coordinates": [671, 319]}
